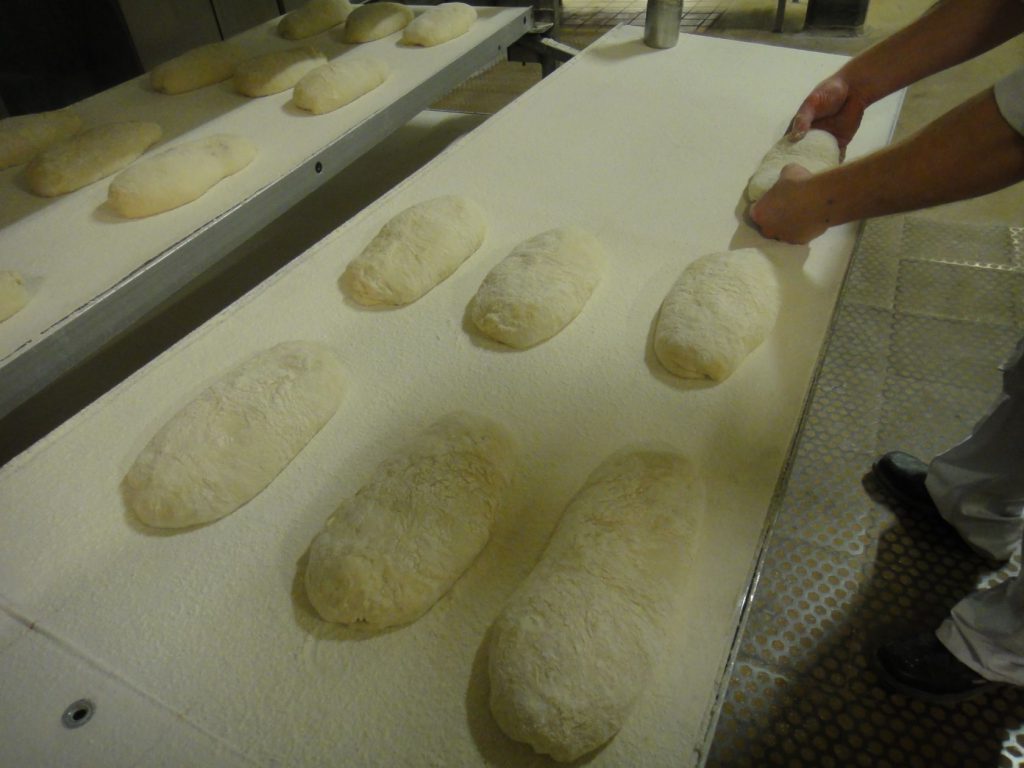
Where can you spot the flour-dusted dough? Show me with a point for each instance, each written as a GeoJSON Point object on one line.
{"type": "Point", "coordinates": [313, 17]}
{"type": "Point", "coordinates": [24, 136]}
{"type": "Point", "coordinates": [226, 446]}
{"type": "Point", "coordinates": [719, 310]}
{"type": "Point", "coordinates": [276, 72]}
{"type": "Point", "coordinates": [89, 156]}
{"type": "Point", "coordinates": [390, 552]}
{"type": "Point", "coordinates": [372, 21]}
{"type": "Point", "coordinates": [334, 85]}
{"type": "Point", "coordinates": [13, 295]}
{"type": "Point", "coordinates": [179, 175]}
{"type": "Point", "coordinates": [573, 648]}
{"type": "Point", "coordinates": [539, 288]}
{"type": "Point", "coordinates": [817, 151]}
{"type": "Point", "coordinates": [202, 66]}
{"type": "Point", "coordinates": [415, 251]}
{"type": "Point", "coordinates": [440, 24]}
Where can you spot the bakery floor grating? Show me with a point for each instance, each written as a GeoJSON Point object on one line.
{"type": "Point", "coordinates": [928, 311]}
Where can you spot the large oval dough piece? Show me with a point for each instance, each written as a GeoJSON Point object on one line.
{"type": "Point", "coordinates": [202, 66]}
{"type": "Point", "coordinates": [415, 251]}
{"type": "Point", "coordinates": [89, 156]}
{"type": "Point", "coordinates": [719, 310]}
{"type": "Point", "coordinates": [817, 151]}
{"type": "Point", "coordinates": [226, 446]}
{"type": "Point", "coordinates": [372, 21]}
{"type": "Point", "coordinates": [313, 17]}
{"type": "Point", "coordinates": [573, 648]}
{"type": "Point", "coordinates": [13, 296]}
{"type": "Point", "coordinates": [334, 85]}
{"type": "Point", "coordinates": [276, 72]}
{"type": "Point", "coordinates": [179, 175]}
{"type": "Point", "coordinates": [539, 288]}
{"type": "Point", "coordinates": [24, 136]}
{"type": "Point", "coordinates": [440, 24]}
{"type": "Point", "coordinates": [390, 552]}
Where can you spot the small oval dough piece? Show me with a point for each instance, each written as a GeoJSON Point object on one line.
{"type": "Point", "coordinates": [539, 288]}
{"type": "Point", "coordinates": [13, 295]}
{"type": "Point", "coordinates": [415, 251]}
{"type": "Point", "coordinates": [276, 72]}
{"type": "Point", "coordinates": [313, 17]}
{"type": "Point", "coordinates": [439, 24]}
{"type": "Point", "coordinates": [179, 175]}
{"type": "Point", "coordinates": [718, 312]}
{"type": "Point", "coordinates": [224, 447]}
{"type": "Point", "coordinates": [90, 156]}
{"type": "Point", "coordinates": [334, 85]}
{"type": "Point", "coordinates": [390, 552]}
{"type": "Point", "coordinates": [817, 151]}
{"type": "Point", "coordinates": [24, 136]}
{"type": "Point", "coordinates": [202, 66]}
{"type": "Point", "coordinates": [573, 649]}
{"type": "Point", "coordinates": [372, 21]}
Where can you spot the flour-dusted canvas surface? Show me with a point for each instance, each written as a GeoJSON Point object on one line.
{"type": "Point", "coordinates": [210, 628]}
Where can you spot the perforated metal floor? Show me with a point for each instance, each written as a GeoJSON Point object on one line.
{"type": "Point", "coordinates": [928, 312]}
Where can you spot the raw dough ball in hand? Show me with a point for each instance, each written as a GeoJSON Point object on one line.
{"type": "Point", "coordinates": [313, 17]}
{"type": "Point", "coordinates": [539, 288]}
{"type": "Point", "coordinates": [373, 21]}
{"type": "Point", "coordinates": [25, 136]}
{"type": "Point", "coordinates": [276, 72]}
{"type": "Point", "coordinates": [13, 295]}
{"type": "Point", "coordinates": [573, 649]}
{"type": "Point", "coordinates": [226, 446]}
{"type": "Point", "coordinates": [415, 251]}
{"type": "Point", "coordinates": [202, 66]}
{"type": "Point", "coordinates": [817, 151]}
{"type": "Point", "coordinates": [89, 156]}
{"type": "Point", "coordinates": [440, 24]}
{"type": "Point", "coordinates": [719, 310]}
{"type": "Point", "coordinates": [334, 85]}
{"type": "Point", "coordinates": [391, 551]}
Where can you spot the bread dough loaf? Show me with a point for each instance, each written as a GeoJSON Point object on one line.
{"type": "Point", "coordinates": [372, 21]}
{"type": "Point", "coordinates": [226, 446]}
{"type": "Point", "coordinates": [313, 17]}
{"type": "Point", "coordinates": [276, 72]}
{"type": "Point", "coordinates": [13, 295]}
{"type": "Point", "coordinates": [573, 648]}
{"type": "Point", "coordinates": [391, 551]}
{"type": "Point", "coordinates": [415, 251]}
{"type": "Point", "coordinates": [91, 155]}
{"type": "Point", "coordinates": [817, 151]}
{"type": "Point", "coordinates": [202, 66]}
{"type": "Point", "coordinates": [719, 310]}
{"type": "Point", "coordinates": [440, 24]}
{"type": "Point", "coordinates": [539, 288]}
{"type": "Point", "coordinates": [334, 85]}
{"type": "Point", "coordinates": [25, 136]}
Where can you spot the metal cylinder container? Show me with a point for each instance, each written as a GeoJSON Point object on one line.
{"type": "Point", "coordinates": [661, 28]}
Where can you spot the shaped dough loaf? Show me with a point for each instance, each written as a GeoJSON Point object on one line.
{"type": "Point", "coordinates": [25, 136]}
{"type": "Point", "coordinates": [391, 551]}
{"type": "Point", "coordinates": [334, 85]}
{"type": "Point", "coordinates": [88, 157]}
{"type": "Point", "coordinates": [415, 251]}
{"type": "Point", "coordinates": [276, 72]}
{"type": "Point", "coordinates": [313, 17]}
{"type": "Point", "coordinates": [440, 24]}
{"type": "Point", "coordinates": [573, 648]}
{"type": "Point", "coordinates": [817, 151]}
{"type": "Point", "coordinates": [719, 310]}
{"type": "Point", "coordinates": [179, 175]}
{"type": "Point", "coordinates": [13, 295]}
{"type": "Point", "coordinates": [224, 447]}
{"type": "Point", "coordinates": [373, 21]}
{"type": "Point", "coordinates": [202, 66]}
{"type": "Point", "coordinates": [539, 288]}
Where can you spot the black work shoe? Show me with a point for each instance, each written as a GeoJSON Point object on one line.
{"type": "Point", "coordinates": [923, 667]}
{"type": "Point", "coordinates": [902, 475]}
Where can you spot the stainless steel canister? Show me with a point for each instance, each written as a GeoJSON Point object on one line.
{"type": "Point", "coordinates": [661, 29]}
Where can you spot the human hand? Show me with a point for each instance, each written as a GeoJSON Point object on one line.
{"type": "Point", "coordinates": [787, 211]}
{"type": "Point", "coordinates": [832, 106]}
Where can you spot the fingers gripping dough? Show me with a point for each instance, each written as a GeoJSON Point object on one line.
{"type": "Point", "coordinates": [539, 288]}
{"type": "Point", "coordinates": [25, 136]}
{"type": "Point", "coordinates": [13, 296]}
{"type": "Point", "coordinates": [334, 85]}
{"type": "Point", "coordinates": [719, 310]}
{"type": "Point", "coordinates": [224, 447]}
{"type": "Point", "coordinates": [276, 72]}
{"type": "Point", "coordinates": [415, 251]}
{"type": "Point", "coordinates": [179, 175]}
{"type": "Point", "coordinates": [373, 21]}
{"type": "Point", "coordinates": [391, 551]}
{"type": "Point", "coordinates": [313, 17]}
{"type": "Point", "coordinates": [202, 66]}
{"type": "Point", "coordinates": [440, 24]}
{"type": "Point", "coordinates": [817, 151]}
{"type": "Point", "coordinates": [573, 648]}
